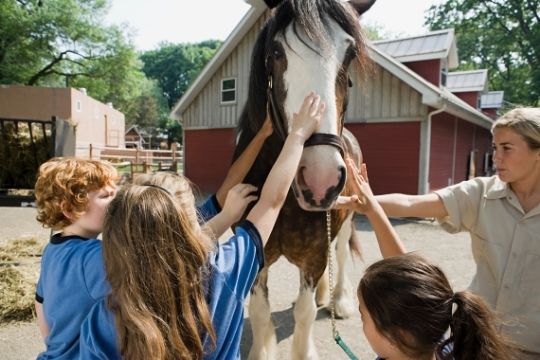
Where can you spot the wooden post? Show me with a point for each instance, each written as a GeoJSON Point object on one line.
{"type": "Point", "coordinates": [173, 148]}
{"type": "Point", "coordinates": [131, 169]}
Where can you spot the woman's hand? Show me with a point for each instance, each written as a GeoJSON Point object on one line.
{"type": "Point", "coordinates": [238, 198]}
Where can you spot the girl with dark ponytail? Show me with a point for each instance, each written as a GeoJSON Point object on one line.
{"type": "Point", "coordinates": [408, 308]}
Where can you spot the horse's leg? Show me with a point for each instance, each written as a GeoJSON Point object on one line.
{"type": "Point", "coordinates": [322, 295]}
{"type": "Point", "coordinates": [343, 295]}
{"type": "Point", "coordinates": [264, 337]}
{"type": "Point", "coordinates": [305, 311]}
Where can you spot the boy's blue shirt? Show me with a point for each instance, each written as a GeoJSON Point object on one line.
{"type": "Point", "coordinates": [72, 279]}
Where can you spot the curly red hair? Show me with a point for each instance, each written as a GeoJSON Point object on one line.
{"type": "Point", "coordinates": [64, 183]}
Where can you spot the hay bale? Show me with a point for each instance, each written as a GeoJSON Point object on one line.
{"type": "Point", "coordinates": [19, 271]}
{"type": "Point", "coordinates": [17, 301]}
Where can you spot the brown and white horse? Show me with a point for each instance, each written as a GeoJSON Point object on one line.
{"type": "Point", "coordinates": [305, 45]}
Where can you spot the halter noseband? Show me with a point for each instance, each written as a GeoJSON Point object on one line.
{"type": "Point", "coordinates": [314, 139]}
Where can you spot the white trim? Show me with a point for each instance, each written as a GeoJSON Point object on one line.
{"type": "Point", "coordinates": [382, 120]}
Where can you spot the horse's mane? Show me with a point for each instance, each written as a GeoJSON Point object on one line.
{"type": "Point", "coordinates": [312, 17]}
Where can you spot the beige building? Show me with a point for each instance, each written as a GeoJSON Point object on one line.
{"type": "Point", "coordinates": [93, 124]}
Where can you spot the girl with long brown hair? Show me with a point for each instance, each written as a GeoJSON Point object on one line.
{"type": "Point", "coordinates": [174, 294]}
{"type": "Point", "coordinates": [408, 308]}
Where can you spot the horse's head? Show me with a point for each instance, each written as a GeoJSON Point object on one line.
{"type": "Point", "coordinates": [309, 45]}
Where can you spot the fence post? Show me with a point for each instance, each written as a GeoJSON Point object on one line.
{"type": "Point", "coordinates": [90, 151]}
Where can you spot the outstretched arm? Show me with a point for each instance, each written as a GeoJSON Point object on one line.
{"type": "Point", "coordinates": [402, 205]}
{"type": "Point", "coordinates": [241, 166]}
{"type": "Point", "coordinates": [363, 201]}
{"type": "Point", "coordinates": [274, 192]}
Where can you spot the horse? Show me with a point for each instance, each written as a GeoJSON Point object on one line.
{"type": "Point", "coordinates": [305, 45]}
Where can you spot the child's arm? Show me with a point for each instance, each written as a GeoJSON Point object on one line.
{"type": "Point", "coordinates": [42, 324]}
{"type": "Point", "coordinates": [274, 192]}
{"type": "Point", "coordinates": [239, 169]}
{"type": "Point", "coordinates": [236, 203]}
{"type": "Point", "coordinates": [363, 201]}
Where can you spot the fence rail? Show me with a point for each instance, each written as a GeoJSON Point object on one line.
{"type": "Point", "coordinates": [138, 160]}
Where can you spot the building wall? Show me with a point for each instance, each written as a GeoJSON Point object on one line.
{"type": "Point", "coordinates": [428, 69]}
{"type": "Point", "coordinates": [452, 141]}
{"type": "Point", "coordinates": [207, 156]}
{"type": "Point", "coordinates": [391, 152]}
{"type": "Point", "coordinates": [381, 96]}
{"type": "Point", "coordinates": [470, 97]}
{"type": "Point", "coordinates": [34, 103]}
{"type": "Point", "coordinates": [97, 124]}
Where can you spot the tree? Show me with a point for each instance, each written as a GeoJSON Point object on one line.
{"type": "Point", "coordinates": [175, 66]}
{"type": "Point", "coordinates": [500, 35]}
{"type": "Point", "coordinates": [63, 43]}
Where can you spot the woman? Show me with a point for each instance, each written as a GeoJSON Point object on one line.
{"type": "Point", "coordinates": [502, 214]}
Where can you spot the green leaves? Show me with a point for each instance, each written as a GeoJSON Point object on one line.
{"type": "Point", "coordinates": [500, 35]}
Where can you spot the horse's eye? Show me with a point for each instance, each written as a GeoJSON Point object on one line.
{"type": "Point", "coordinates": [277, 54]}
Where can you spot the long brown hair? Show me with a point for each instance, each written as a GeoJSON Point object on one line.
{"type": "Point", "coordinates": [410, 301]}
{"type": "Point", "coordinates": [155, 257]}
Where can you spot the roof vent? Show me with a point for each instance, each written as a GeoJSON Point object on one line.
{"type": "Point", "coordinates": [83, 90]}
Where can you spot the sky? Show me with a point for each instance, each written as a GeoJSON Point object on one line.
{"type": "Point", "coordinates": [151, 22]}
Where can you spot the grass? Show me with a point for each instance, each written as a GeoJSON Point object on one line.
{"type": "Point", "coordinates": [19, 271]}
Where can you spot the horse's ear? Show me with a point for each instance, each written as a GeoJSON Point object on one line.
{"type": "Point", "coordinates": [272, 3]}
{"type": "Point", "coordinates": [361, 6]}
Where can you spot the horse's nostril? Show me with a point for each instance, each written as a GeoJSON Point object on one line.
{"type": "Point", "coordinates": [343, 172]}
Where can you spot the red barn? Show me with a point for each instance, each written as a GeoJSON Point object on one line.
{"type": "Point", "coordinates": [415, 133]}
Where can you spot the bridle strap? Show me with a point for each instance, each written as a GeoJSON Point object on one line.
{"type": "Point", "coordinates": [326, 139]}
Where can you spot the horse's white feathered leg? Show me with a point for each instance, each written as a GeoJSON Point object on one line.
{"type": "Point", "coordinates": [344, 305]}
{"type": "Point", "coordinates": [264, 337]}
{"type": "Point", "coordinates": [305, 311]}
{"type": "Point", "coordinates": [322, 295]}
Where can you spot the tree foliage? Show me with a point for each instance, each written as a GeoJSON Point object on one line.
{"type": "Point", "coordinates": [500, 35]}
{"type": "Point", "coordinates": [175, 66]}
{"type": "Point", "coordinates": [64, 43]}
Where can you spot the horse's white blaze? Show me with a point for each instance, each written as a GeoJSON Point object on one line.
{"type": "Point", "coordinates": [310, 71]}
{"type": "Point", "coordinates": [264, 337]}
{"type": "Point", "coordinates": [305, 311]}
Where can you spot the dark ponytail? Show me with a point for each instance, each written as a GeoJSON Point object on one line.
{"type": "Point", "coordinates": [473, 331]}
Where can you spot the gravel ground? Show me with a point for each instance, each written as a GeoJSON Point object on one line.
{"type": "Point", "coordinates": [451, 252]}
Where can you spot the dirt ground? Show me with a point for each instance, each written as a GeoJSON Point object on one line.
{"type": "Point", "coordinates": [451, 252]}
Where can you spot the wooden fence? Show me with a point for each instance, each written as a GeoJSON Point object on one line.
{"type": "Point", "coordinates": [140, 160]}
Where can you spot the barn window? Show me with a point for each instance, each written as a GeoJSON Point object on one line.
{"type": "Point", "coordinates": [78, 105]}
{"type": "Point", "coordinates": [228, 91]}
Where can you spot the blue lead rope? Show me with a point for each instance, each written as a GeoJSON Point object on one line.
{"type": "Point", "coordinates": [345, 348]}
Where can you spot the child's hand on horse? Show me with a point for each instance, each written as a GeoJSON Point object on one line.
{"type": "Point", "coordinates": [237, 200]}
{"type": "Point", "coordinates": [308, 118]}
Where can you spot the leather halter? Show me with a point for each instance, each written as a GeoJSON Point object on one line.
{"type": "Point", "coordinates": [314, 139]}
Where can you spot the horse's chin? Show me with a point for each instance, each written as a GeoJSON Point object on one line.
{"type": "Point", "coordinates": [304, 205]}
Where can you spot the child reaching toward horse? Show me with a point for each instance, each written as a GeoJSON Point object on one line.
{"type": "Point", "coordinates": [407, 304]}
{"type": "Point", "coordinates": [175, 295]}
{"type": "Point", "coordinates": [72, 196]}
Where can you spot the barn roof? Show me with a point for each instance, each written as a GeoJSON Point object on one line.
{"type": "Point", "coordinates": [461, 81]}
{"type": "Point", "coordinates": [433, 45]}
{"type": "Point", "coordinates": [437, 45]}
{"type": "Point", "coordinates": [492, 100]}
